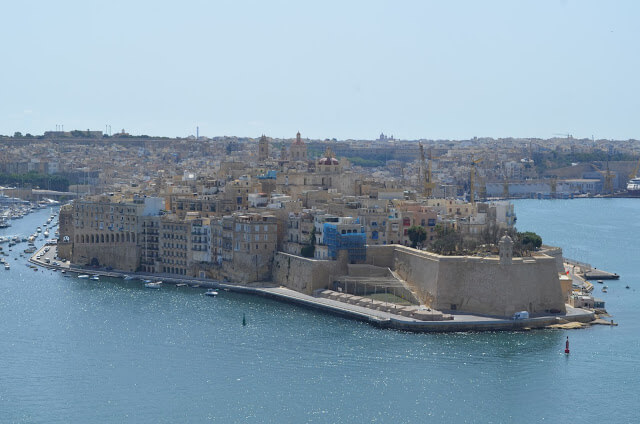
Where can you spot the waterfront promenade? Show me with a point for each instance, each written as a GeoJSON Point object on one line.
{"type": "Point", "coordinates": [378, 318]}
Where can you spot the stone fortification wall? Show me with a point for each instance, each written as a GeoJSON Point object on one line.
{"type": "Point", "coordinates": [364, 270]}
{"type": "Point", "coordinates": [381, 255]}
{"type": "Point", "coordinates": [124, 257]}
{"type": "Point", "coordinates": [420, 270]}
{"type": "Point", "coordinates": [487, 287]}
{"type": "Point", "coordinates": [479, 285]}
{"type": "Point", "coordinates": [303, 274]}
{"type": "Point", "coordinates": [247, 267]}
{"type": "Point", "coordinates": [556, 253]}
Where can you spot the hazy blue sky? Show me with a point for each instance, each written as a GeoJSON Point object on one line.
{"type": "Point", "coordinates": [344, 69]}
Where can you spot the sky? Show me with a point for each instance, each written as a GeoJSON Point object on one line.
{"type": "Point", "coordinates": [329, 69]}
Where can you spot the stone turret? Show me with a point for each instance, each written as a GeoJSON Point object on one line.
{"type": "Point", "coordinates": [505, 246]}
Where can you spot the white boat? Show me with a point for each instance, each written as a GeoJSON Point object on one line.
{"type": "Point", "coordinates": [95, 277]}
{"type": "Point", "coordinates": [38, 230]}
{"type": "Point", "coordinates": [154, 285]}
{"type": "Point", "coordinates": [84, 276]}
{"type": "Point", "coordinates": [128, 277]}
{"type": "Point", "coordinates": [633, 186]}
{"type": "Point", "coordinates": [7, 267]}
{"type": "Point", "coordinates": [46, 233]}
{"type": "Point", "coordinates": [211, 292]}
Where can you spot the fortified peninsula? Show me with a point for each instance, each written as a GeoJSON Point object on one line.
{"type": "Point", "coordinates": [314, 232]}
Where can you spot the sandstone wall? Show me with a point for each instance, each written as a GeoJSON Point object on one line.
{"type": "Point", "coordinates": [477, 285]}
{"type": "Point", "coordinates": [485, 286]}
{"type": "Point", "coordinates": [380, 255]}
{"type": "Point", "coordinates": [303, 274]}
{"type": "Point", "coordinates": [120, 256]}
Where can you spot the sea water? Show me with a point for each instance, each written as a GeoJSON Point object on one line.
{"type": "Point", "coordinates": [75, 350]}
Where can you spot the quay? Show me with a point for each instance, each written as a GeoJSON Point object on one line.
{"type": "Point", "coordinates": [587, 272]}
{"type": "Point", "coordinates": [597, 274]}
{"type": "Point", "coordinates": [387, 318]}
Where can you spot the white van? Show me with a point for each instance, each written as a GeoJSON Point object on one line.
{"type": "Point", "coordinates": [521, 315]}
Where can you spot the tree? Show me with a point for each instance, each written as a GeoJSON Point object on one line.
{"type": "Point", "coordinates": [309, 250]}
{"type": "Point", "coordinates": [530, 240]}
{"type": "Point", "coordinates": [448, 241]}
{"type": "Point", "coordinates": [17, 134]}
{"type": "Point", "coordinates": [417, 234]}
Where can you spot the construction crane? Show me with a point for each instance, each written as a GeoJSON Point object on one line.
{"type": "Point", "coordinates": [472, 179]}
{"type": "Point", "coordinates": [427, 178]}
{"type": "Point", "coordinates": [634, 173]}
{"type": "Point", "coordinates": [607, 187]}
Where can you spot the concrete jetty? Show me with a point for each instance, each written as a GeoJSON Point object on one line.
{"type": "Point", "coordinates": [598, 274]}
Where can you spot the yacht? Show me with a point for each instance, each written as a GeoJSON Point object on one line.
{"type": "Point", "coordinates": [211, 292]}
{"type": "Point", "coordinates": [633, 186]}
{"type": "Point", "coordinates": [83, 276]}
{"type": "Point", "coordinates": [154, 285]}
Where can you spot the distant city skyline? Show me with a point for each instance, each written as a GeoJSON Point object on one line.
{"type": "Point", "coordinates": [434, 70]}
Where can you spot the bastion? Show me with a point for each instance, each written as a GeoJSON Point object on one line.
{"type": "Point", "coordinates": [496, 286]}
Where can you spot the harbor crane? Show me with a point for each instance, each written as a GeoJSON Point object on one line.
{"type": "Point", "coordinates": [607, 187]}
{"type": "Point", "coordinates": [634, 173]}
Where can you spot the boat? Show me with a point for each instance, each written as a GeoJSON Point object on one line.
{"type": "Point", "coordinates": [38, 230]}
{"type": "Point", "coordinates": [128, 277]}
{"type": "Point", "coordinates": [154, 285]}
{"type": "Point", "coordinates": [211, 292]}
{"type": "Point", "coordinates": [600, 281]}
{"type": "Point", "coordinates": [4, 222]}
{"type": "Point", "coordinates": [604, 289]}
{"type": "Point", "coordinates": [84, 276]}
{"type": "Point", "coordinates": [30, 250]}
{"type": "Point", "coordinates": [633, 186]}
{"type": "Point", "coordinates": [46, 233]}
{"type": "Point", "coordinates": [7, 267]}
{"type": "Point", "coordinates": [94, 277]}
{"type": "Point", "coordinates": [627, 286]}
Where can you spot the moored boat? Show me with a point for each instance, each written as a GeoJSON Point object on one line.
{"type": "Point", "coordinates": [633, 186]}
{"type": "Point", "coordinates": [153, 285]}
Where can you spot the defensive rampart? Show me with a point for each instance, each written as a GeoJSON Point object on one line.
{"type": "Point", "coordinates": [475, 284]}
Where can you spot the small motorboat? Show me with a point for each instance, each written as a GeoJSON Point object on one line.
{"type": "Point", "coordinates": [95, 277]}
{"type": "Point", "coordinates": [626, 287]}
{"type": "Point", "coordinates": [84, 276]}
{"type": "Point", "coordinates": [128, 277]}
{"type": "Point", "coordinates": [600, 281]}
{"type": "Point", "coordinates": [7, 267]}
{"type": "Point", "coordinates": [211, 292]}
{"type": "Point", "coordinates": [153, 285]}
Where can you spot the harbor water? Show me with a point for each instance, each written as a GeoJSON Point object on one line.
{"type": "Point", "coordinates": [76, 350]}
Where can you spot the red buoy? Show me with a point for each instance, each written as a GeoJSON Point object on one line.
{"type": "Point", "coordinates": [566, 350]}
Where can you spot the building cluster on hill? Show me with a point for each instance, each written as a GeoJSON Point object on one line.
{"type": "Point", "coordinates": [240, 209]}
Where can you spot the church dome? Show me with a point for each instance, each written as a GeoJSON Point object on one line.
{"type": "Point", "coordinates": [328, 161]}
{"type": "Point", "coordinates": [328, 158]}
